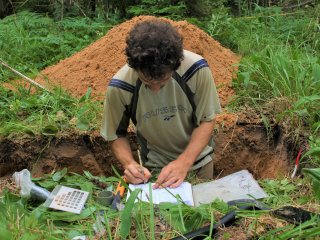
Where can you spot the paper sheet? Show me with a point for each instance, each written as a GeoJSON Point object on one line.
{"type": "Point", "coordinates": [239, 185]}
{"type": "Point", "coordinates": [163, 195]}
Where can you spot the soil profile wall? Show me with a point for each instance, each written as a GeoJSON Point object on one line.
{"type": "Point", "coordinates": [237, 148]}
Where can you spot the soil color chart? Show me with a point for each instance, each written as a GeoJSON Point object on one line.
{"type": "Point", "coordinates": [69, 199]}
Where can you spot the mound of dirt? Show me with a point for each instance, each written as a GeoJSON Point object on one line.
{"type": "Point", "coordinates": [95, 65]}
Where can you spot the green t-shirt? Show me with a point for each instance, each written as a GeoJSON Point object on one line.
{"type": "Point", "coordinates": [164, 119]}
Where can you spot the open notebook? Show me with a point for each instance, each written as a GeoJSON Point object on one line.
{"type": "Point", "coordinates": [239, 185]}
{"type": "Point", "coordinates": [165, 195]}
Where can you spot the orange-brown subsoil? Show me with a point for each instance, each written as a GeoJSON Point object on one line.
{"type": "Point", "coordinates": [95, 65]}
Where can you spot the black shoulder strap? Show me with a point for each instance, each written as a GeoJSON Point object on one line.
{"type": "Point", "coordinates": [190, 95]}
{"type": "Point", "coordinates": [134, 102]}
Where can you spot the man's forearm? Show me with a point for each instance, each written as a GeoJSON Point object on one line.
{"type": "Point", "coordinates": [122, 151]}
{"type": "Point", "coordinates": [199, 139]}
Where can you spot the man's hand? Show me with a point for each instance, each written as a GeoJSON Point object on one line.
{"type": "Point", "coordinates": [133, 172]}
{"type": "Point", "coordinates": [173, 174]}
{"type": "Point", "coordinates": [136, 174]}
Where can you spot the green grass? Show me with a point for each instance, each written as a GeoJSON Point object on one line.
{"type": "Point", "coordinates": [249, 35]}
{"type": "Point", "coordinates": [23, 112]}
{"type": "Point", "coordinates": [29, 42]}
{"type": "Point", "coordinates": [27, 219]}
{"type": "Point", "coordinates": [280, 52]}
{"type": "Point", "coordinates": [288, 74]}
{"type": "Point", "coordinates": [279, 72]}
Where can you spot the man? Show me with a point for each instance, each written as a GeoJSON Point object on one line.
{"type": "Point", "coordinates": [169, 95]}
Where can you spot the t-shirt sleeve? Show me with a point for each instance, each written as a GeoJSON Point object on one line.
{"type": "Point", "coordinates": [115, 119]}
{"type": "Point", "coordinates": [206, 97]}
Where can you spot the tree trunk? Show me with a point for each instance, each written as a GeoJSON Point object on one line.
{"type": "Point", "coordinates": [93, 7]}
{"type": "Point", "coordinates": [5, 8]}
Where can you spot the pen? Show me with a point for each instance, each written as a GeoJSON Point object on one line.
{"type": "Point", "coordinates": [141, 167]}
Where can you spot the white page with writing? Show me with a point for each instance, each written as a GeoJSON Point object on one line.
{"type": "Point", "coordinates": [164, 195]}
{"type": "Point", "coordinates": [238, 185]}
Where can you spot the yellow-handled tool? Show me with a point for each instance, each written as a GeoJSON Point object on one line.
{"type": "Point", "coordinates": [120, 188]}
{"type": "Point", "coordinates": [118, 194]}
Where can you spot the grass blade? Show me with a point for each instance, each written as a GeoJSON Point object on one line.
{"type": "Point", "coordinates": [126, 214]}
{"type": "Point", "coordinates": [151, 213]}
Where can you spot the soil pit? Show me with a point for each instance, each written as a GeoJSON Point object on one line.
{"type": "Point", "coordinates": [241, 145]}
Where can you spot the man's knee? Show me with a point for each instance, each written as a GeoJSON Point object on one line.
{"type": "Point", "coordinates": [206, 171]}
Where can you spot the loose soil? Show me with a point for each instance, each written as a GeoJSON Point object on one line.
{"type": "Point", "coordinates": [241, 140]}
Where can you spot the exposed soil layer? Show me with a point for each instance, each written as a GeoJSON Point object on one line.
{"type": "Point", "coordinates": [241, 146]}
{"type": "Point", "coordinates": [95, 65]}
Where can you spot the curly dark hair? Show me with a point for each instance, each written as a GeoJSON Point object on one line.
{"type": "Point", "coordinates": [154, 48]}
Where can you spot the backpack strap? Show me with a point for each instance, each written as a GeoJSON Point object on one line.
{"type": "Point", "coordinates": [190, 95]}
{"type": "Point", "coordinates": [121, 130]}
{"type": "Point", "coordinates": [134, 102]}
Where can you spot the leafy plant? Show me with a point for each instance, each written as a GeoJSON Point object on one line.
{"type": "Point", "coordinates": [159, 8]}
{"type": "Point", "coordinates": [217, 24]}
{"type": "Point", "coordinates": [279, 191]}
{"type": "Point", "coordinates": [313, 154]}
